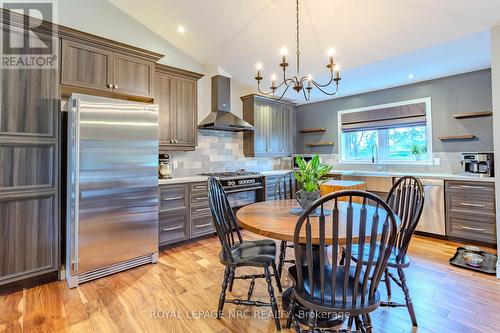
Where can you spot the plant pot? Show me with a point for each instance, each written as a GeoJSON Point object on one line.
{"type": "Point", "coordinates": [306, 199]}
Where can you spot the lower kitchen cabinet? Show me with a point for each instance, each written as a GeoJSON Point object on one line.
{"type": "Point", "coordinates": [470, 211]}
{"type": "Point", "coordinates": [184, 212]}
{"type": "Point", "coordinates": [174, 227]}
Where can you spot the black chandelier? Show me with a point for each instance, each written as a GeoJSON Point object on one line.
{"type": "Point", "coordinates": [297, 82]}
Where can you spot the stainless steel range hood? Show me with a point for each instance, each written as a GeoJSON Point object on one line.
{"type": "Point", "coordinates": [221, 118]}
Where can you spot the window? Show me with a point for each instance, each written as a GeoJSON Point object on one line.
{"type": "Point", "coordinates": [397, 132]}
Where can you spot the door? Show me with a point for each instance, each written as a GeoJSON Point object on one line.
{"type": "Point", "coordinates": [117, 182]}
{"type": "Point", "coordinates": [186, 117]}
{"type": "Point", "coordinates": [163, 97]}
{"type": "Point", "coordinates": [86, 66]}
{"type": "Point", "coordinates": [133, 76]}
{"type": "Point", "coordinates": [261, 133]}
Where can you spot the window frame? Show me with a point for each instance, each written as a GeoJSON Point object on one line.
{"type": "Point", "coordinates": [428, 133]}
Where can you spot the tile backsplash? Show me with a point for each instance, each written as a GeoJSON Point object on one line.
{"type": "Point", "coordinates": [223, 151]}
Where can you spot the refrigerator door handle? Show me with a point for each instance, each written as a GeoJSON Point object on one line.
{"type": "Point", "coordinates": [77, 184]}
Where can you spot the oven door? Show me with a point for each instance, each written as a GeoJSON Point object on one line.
{"type": "Point", "coordinates": [244, 196]}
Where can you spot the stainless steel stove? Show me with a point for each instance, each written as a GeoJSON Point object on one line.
{"type": "Point", "coordinates": [242, 187]}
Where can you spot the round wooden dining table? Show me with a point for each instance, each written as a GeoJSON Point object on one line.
{"type": "Point", "coordinates": [273, 219]}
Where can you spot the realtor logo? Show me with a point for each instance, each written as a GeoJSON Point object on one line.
{"type": "Point", "coordinates": [26, 42]}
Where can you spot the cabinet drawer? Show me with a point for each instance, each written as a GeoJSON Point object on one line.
{"type": "Point", "coordinates": [470, 188]}
{"type": "Point", "coordinates": [473, 204]}
{"type": "Point", "coordinates": [199, 187]}
{"type": "Point", "coordinates": [202, 226]}
{"type": "Point", "coordinates": [471, 227]}
{"type": "Point", "coordinates": [202, 210]}
{"type": "Point", "coordinates": [173, 198]}
{"type": "Point", "coordinates": [173, 227]}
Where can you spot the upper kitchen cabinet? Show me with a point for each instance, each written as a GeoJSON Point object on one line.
{"type": "Point", "coordinates": [86, 66]}
{"type": "Point", "coordinates": [92, 62]}
{"type": "Point", "coordinates": [175, 91]}
{"type": "Point", "coordinates": [274, 123]}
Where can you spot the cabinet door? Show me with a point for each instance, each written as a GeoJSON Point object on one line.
{"type": "Point", "coordinates": [29, 102]}
{"type": "Point", "coordinates": [133, 76]}
{"type": "Point", "coordinates": [287, 130]}
{"type": "Point", "coordinates": [28, 237]}
{"type": "Point", "coordinates": [261, 133]}
{"type": "Point", "coordinates": [186, 116]}
{"type": "Point", "coordinates": [163, 96]}
{"type": "Point", "coordinates": [86, 66]}
{"type": "Point", "coordinates": [276, 133]}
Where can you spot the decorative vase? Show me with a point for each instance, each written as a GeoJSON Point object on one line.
{"type": "Point", "coordinates": [306, 199]}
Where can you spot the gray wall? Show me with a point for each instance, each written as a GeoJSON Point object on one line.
{"type": "Point", "coordinates": [459, 93]}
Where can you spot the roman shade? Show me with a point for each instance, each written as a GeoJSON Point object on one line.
{"type": "Point", "coordinates": [385, 117]}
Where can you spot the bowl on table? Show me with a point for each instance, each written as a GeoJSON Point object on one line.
{"type": "Point", "coordinates": [473, 259]}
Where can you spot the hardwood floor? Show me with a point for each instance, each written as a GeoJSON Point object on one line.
{"type": "Point", "coordinates": [180, 293]}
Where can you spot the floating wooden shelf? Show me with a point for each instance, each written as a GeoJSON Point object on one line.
{"type": "Point", "coordinates": [472, 114]}
{"type": "Point", "coordinates": [457, 137]}
{"type": "Point", "coordinates": [318, 144]}
{"type": "Point", "coordinates": [312, 130]}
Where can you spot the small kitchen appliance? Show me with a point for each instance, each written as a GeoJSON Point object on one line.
{"type": "Point", "coordinates": [477, 163]}
{"type": "Point", "coordinates": [164, 166]}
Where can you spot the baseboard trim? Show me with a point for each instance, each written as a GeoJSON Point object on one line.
{"type": "Point", "coordinates": [29, 282]}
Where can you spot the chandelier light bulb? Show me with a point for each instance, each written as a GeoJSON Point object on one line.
{"type": "Point", "coordinates": [283, 52]}
{"type": "Point", "coordinates": [330, 52]}
{"type": "Point", "coordinates": [258, 66]}
{"type": "Point", "coordinates": [273, 81]}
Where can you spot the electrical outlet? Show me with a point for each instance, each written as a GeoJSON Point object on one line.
{"type": "Point", "coordinates": [437, 161]}
{"type": "Point", "coordinates": [175, 164]}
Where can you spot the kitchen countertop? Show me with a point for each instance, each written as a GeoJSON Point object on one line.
{"type": "Point", "coordinates": [179, 180]}
{"type": "Point", "coordinates": [360, 173]}
{"type": "Point", "coordinates": [365, 173]}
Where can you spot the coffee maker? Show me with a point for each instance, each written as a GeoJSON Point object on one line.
{"type": "Point", "coordinates": [164, 166]}
{"type": "Point", "coordinates": [477, 163]}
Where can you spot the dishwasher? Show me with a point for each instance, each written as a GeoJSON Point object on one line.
{"type": "Point", "coordinates": [432, 220]}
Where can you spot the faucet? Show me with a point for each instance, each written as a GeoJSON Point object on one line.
{"type": "Point", "coordinates": [375, 159]}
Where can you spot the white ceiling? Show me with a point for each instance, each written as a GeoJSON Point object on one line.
{"type": "Point", "coordinates": [378, 42]}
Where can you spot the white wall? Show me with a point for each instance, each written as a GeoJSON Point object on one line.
{"type": "Point", "coordinates": [495, 80]}
{"type": "Point", "coordinates": [100, 17]}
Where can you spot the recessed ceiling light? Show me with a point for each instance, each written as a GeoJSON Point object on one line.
{"type": "Point", "coordinates": [181, 29]}
{"type": "Point", "coordinates": [411, 76]}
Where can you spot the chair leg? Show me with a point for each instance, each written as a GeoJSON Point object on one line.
{"type": "Point", "coordinates": [291, 312]}
{"type": "Point", "coordinates": [349, 321]}
{"type": "Point", "coordinates": [231, 278]}
{"type": "Point", "coordinates": [282, 257]}
{"type": "Point", "coordinates": [387, 280]}
{"type": "Point", "coordinates": [367, 322]}
{"type": "Point", "coordinates": [274, 305]}
{"type": "Point", "coordinates": [406, 291]}
{"type": "Point", "coordinates": [311, 321]}
{"type": "Point", "coordinates": [277, 276]}
{"type": "Point", "coordinates": [222, 296]}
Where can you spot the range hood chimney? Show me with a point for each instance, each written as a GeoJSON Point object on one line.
{"type": "Point", "coordinates": [221, 118]}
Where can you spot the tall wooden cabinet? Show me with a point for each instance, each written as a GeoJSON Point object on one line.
{"type": "Point", "coordinates": [274, 123]}
{"type": "Point", "coordinates": [29, 182]}
{"type": "Point", "coordinates": [175, 91]}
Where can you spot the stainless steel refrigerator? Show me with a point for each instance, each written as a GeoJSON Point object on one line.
{"type": "Point", "coordinates": [112, 197]}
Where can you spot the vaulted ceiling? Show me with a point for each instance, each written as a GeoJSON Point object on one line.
{"type": "Point", "coordinates": [378, 43]}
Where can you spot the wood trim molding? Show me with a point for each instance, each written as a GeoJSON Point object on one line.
{"type": "Point", "coordinates": [258, 97]}
{"type": "Point", "coordinates": [169, 70]}
{"type": "Point", "coordinates": [80, 36]}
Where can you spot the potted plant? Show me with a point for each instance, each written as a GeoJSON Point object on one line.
{"type": "Point", "coordinates": [418, 151]}
{"type": "Point", "coordinates": [308, 177]}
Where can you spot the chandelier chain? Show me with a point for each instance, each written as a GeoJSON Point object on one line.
{"type": "Point", "coordinates": [298, 50]}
